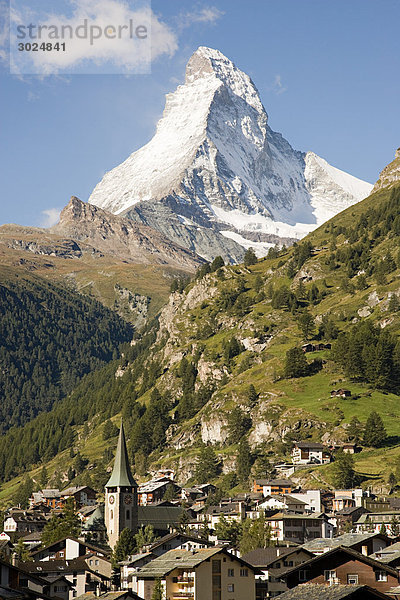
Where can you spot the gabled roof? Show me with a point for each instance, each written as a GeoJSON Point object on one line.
{"type": "Point", "coordinates": [176, 534]}
{"type": "Point", "coordinates": [183, 559]}
{"type": "Point", "coordinates": [346, 540]}
{"type": "Point", "coordinates": [121, 475]}
{"type": "Point", "coordinates": [281, 482]}
{"type": "Point", "coordinates": [352, 554]}
{"type": "Point", "coordinates": [75, 489]}
{"type": "Point", "coordinates": [308, 591]}
{"type": "Point", "coordinates": [263, 557]}
{"type": "Point", "coordinates": [160, 517]}
{"type": "Point", "coordinates": [85, 544]}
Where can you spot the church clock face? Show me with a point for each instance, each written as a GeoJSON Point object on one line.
{"type": "Point", "coordinates": [128, 499]}
{"type": "Point", "coordinates": [111, 499]}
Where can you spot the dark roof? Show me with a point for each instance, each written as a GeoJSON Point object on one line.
{"type": "Point", "coordinates": [283, 482]}
{"type": "Point", "coordinates": [346, 539]}
{"type": "Point", "coordinates": [160, 517]}
{"type": "Point", "coordinates": [312, 445]}
{"type": "Point", "coordinates": [352, 554]}
{"type": "Point", "coordinates": [349, 510]}
{"type": "Point", "coordinates": [176, 534]}
{"type": "Point", "coordinates": [262, 557]}
{"type": "Point", "coordinates": [85, 544]}
{"type": "Point", "coordinates": [312, 591]}
{"type": "Point", "coordinates": [121, 475]}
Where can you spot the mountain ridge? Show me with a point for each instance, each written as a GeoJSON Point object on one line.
{"type": "Point", "coordinates": [214, 165]}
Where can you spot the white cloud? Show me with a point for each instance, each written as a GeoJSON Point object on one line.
{"type": "Point", "coordinates": [278, 87]}
{"type": "Point", "coordinates": [50, 217]}
{"type": "Point", "coordinates": [209, 15]}
{"type": "Point", "coordinates": [122, 51]}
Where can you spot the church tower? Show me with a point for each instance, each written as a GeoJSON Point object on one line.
{"type": "Point", "coordinates": [121, 507]}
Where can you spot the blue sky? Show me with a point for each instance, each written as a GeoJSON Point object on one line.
{"type": "Point", "coordinates": [327, 72]}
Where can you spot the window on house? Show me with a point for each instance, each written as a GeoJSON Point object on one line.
{"type": "Point", "coordinates": [244, 572]}
{"type": "Point", "coordinates": [96, 562]}
{"type": "Point", "coordinates": [216, 566]}
{"type": "Point", "coordinates": [61, 554]}
{"type": "Point", "coordinates": [380, 576]}
{"type": "Point", "coordinates": [288, 563]}
{"type": "Point", "coordinates": [329, 575]}
{"type": "Point", "coordinates": [231, 587]}
{"type": "Point", "coordinates": [303, 575]}
{"type": "Point", "coordinates": [231, 572]}
{"type": "Point", "coordinates": [352, 579]}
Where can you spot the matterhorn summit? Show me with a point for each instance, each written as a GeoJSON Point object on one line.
{"type": "Point", "coordinates": [216, 179]}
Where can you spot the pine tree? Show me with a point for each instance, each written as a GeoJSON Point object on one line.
{"type": "Point", "coordinates": [306, 324]}
{"type": "Point", "coordinates": [43, 479]}
{"type": "Point", "coordinates": [144, 537]}
{"type": "Point", "coordinates": [62, 525]}
{"type": "Point", "coordinates": [355, 430]}
{"type": "Point", "coordinates": [394, 526]}
{"type": "Point", "coordinates": [383, 529]}
{"type": "Point", "coordinates": [375, 432]}
{"type": "Point", "coordinates": [249, 258]}
{"type": "Point", "coordinates": [125, 546]}
{"type": "Point", "coordinates": [243, 463]}
{"type": "Point", "coordinates": [343, 471]}
{"type": "Point", "coordinates": [256, 534]}
{"type": "Point", "coordinates": [296, 364]}
{"type": "Point", "coordinates": [207, 465]}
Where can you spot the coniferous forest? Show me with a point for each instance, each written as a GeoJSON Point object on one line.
{"type": "Point", "coordinates": [50, 337]}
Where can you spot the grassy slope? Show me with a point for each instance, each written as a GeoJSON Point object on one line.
{"type": "Point", "coordinates": [309, 395]}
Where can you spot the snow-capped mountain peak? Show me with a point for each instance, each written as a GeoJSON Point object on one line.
{"type": "Point", "coordinates": [216, 178]}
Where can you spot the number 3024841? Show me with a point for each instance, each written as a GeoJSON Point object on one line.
{"type": "Point", "coordinates": [44, 47]}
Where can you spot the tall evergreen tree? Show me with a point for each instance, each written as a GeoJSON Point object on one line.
{"type": "Point", "coordinates": [207, 465]}
{"type": "Point", "coordinates": [243, 462]}
{"type": "Point", "coordinates": [374, 432]}
{"type": "Point", "coordinates": [125, 546]}
{"type": "Point", "coordinates": [296, 364]}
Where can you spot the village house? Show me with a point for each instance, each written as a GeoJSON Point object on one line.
{"type": "Point", "coordinates": [298, 528]}
{"type": "Point", "coordinates": [304, 453]}
{"type": "Point", "coordinates": [311, 498]}
{"type": "Point", "coordinates": [82, 576]}
{"type": "Point", "coordinates": [271, 487]}
{"type": "Point", "coordinates": [82, 495]}
{"type": "Point", "coordinates": [341, 393]}
{"type": "Point", "coordinates": [315, 347]}
{"type": "Point", "coordinates": [343, 566]}
{"type": "Point", "coordinates": [173, 541]}
{"type": "Point", "coordinates": [119, 595]}
{"type": "Point", "coordinates": [376, 522]}
{"type": "Point", "coordinates": [232, 511]}
{"type": "Point", "coordinates": [67, 548]}
{"type": "Point", "coordinates": [23, 521]}
{"type": "Point", "coordinates": [272, 562]}
{"type": "Point", "coordinates": [48, 497]}
{"type": "Point", "coordinates": [154, 491]}
{"type": "Point", "coordinates": [347, 517]}
{"type": "Point", "coordinates": [198, 575]}
{"type": "Point", "coordinates": [348, 498]}
{"type": "Point", "coordinates": [365, 543]}
{"type": "Point", "coordinates": [284, 502]}
{"type": "Point", "coordinates": [389, 555]}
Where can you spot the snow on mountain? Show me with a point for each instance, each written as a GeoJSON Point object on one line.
{"type": "Point", "coordinates": [215, 178]}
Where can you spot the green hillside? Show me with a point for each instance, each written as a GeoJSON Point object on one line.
{"type": "Point", "coordinates": [214, 367]}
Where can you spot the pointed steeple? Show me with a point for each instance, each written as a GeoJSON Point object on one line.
{"type": "Point", "coordinates": [121, 475]}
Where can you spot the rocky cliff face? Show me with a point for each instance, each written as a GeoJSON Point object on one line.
{"type": "Point", "coordinates": [216, 179]}
{"type": "Point", "coordinates": [121, 237]}
{"type": "Point", "coordinates": [390, 174]}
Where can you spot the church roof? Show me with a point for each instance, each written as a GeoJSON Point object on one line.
{"type": "Point", "coordinates": [121, 475]}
